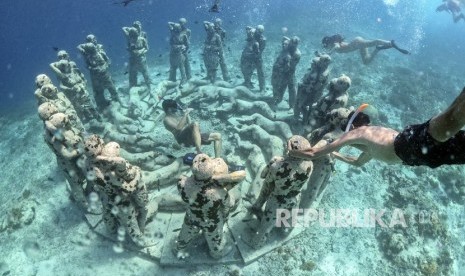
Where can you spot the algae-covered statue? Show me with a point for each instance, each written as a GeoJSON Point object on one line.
{"type": "Point", "coordinates": [251, 58]}
{"type": "Point", "coordinates": [209, 202]}
{"type": "Point", "coordinates": [336, 97]}
{"type": "Point", "coordinates": [179, 43]}
{"type": "Point", "coordinates": [283, 179]}
{"type": "Point", "coordinates": [67, 144]}
{"type": "Point", "coordinates": [283, 76]}
{"type": "Point", "coordinates": [312, 85]}
{"type": "Point", "coordinates": [74, 85]}
{"type": "Point", "coordinates": [212, 49]}
{"type": "Point", "coordinates": [47, 92]}
{"type": "Point", "coordinates": [98, 64]}
{"type": "Point", "coordinates": [137, 48]}
{"type": "Point", "coordinates": [121, 188]}
{"type": "Point", "coordinates": [222, 33]}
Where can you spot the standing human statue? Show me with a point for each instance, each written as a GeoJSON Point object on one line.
{"type": "Point", "coordinates": [74, 85]}
{"type": "Point", "coordinates": [186, 32]}
{"type": "Point", "coordinates": [251, 58]}
{"type": "Point", "coordinates": [67, 144]}
{"type": "Point", "coordinates": [207, 193]}
{"type": "Point", "coordinates": [98, 64]}
{"type": "Point", "coordinates": [212, 48]}
{"type": "Point", "coordinates": [137, 48]}
{"type": "Point", "coordinates": [177, 48]}
{"type": "Point", "coordinates": [310, 88]}
{"type": "Point", "coordinates": [283, 179]}
{"type": "Point", "coordinates": [222, 33]}
{"type": "Point", "coordinates": [283, 75]}
{"type": "Point", "coordinates": [121, 188]}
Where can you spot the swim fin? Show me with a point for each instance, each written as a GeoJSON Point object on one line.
{"type": "Point", "coordinates": [403, 51]}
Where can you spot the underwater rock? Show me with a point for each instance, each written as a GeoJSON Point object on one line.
{"type": "Point", "coordinates": [20, 213]}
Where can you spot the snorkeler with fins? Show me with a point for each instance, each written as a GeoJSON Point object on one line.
{"type": "Point", "coordinates": [336, 43]}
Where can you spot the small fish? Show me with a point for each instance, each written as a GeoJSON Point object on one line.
{"type": "Point", "coordinates": [126, 72]}
{"type": "Point", "coordinates": [196, 22]}
{"type": "Point", "coordinates": [235, 214]}
{"type": "Point", "coordinates": [160, 55]}
{"type": "Point", "coordinates": [176, 230]}
{"type": "Point", "coordinates": [157, 75]}
{"type": "Point", "coordinates": [55, 49]}
{"type": "Point", "coordinates": [237, 76]}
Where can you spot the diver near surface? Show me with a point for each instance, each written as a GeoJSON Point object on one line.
{"type": "Point", "coordinates": [336, 43]}
{"type": "Point", "coordinates": [452, 7]}
{"type": "Point", "coordinates": [124, 2]}
{"type": "Point", "coordinates": [438, 141]}
{"type": "Point", "coordinates": [215, 7]}
{"type": "Point", "coordinates": [137, 48]}
{"type": "Point", "coordinates": [185, 132]}
{"type": "Point", "coordinates": [208, 195]}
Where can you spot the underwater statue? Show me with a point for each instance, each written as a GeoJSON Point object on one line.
{"type": "Point", "coordinates": [207, 193]}
{"type": "Point", "coordinates": [311, 87]}
{"type": "Point", "coordinates": [251, 58]}
{"type": "Point", "coordinates": [137, 48]}
{"type": "Point", "coordinates": [74, 85]}
{"type": "Point", "coordinates": [283, 179]}
{"type": "Point", "coordinates": [121, 188]}
{"type": "Point", "coordinates": [212, 49]}
{"type": "Point", "coordinates": [98, 64]}
{"type": "Point", "coordinates": [283, 76]}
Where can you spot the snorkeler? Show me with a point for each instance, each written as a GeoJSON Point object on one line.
{"type": "Point", "coordinates": [185, 132]}
{"type": "Point", "coordinates": [215, 7]}
{"type": "Point", "coordinates": [124, 2]}
{"type": "Point", "coordinates": [438, 141]}
{"type": "Point", "coordinates": [335, 43]}
{"type": "Point", "coordinates": [453, 7]}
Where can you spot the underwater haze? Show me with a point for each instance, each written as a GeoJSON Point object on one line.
{"type": "Point", "coordinates": [43, 231]}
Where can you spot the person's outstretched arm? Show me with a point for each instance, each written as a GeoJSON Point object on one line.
{"type": "Point", "coordinates": [354, 161]}
{"type": "Point", "coordinates": [348, 138]}
{"type": "Point", "coordinates": [450, 121]}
